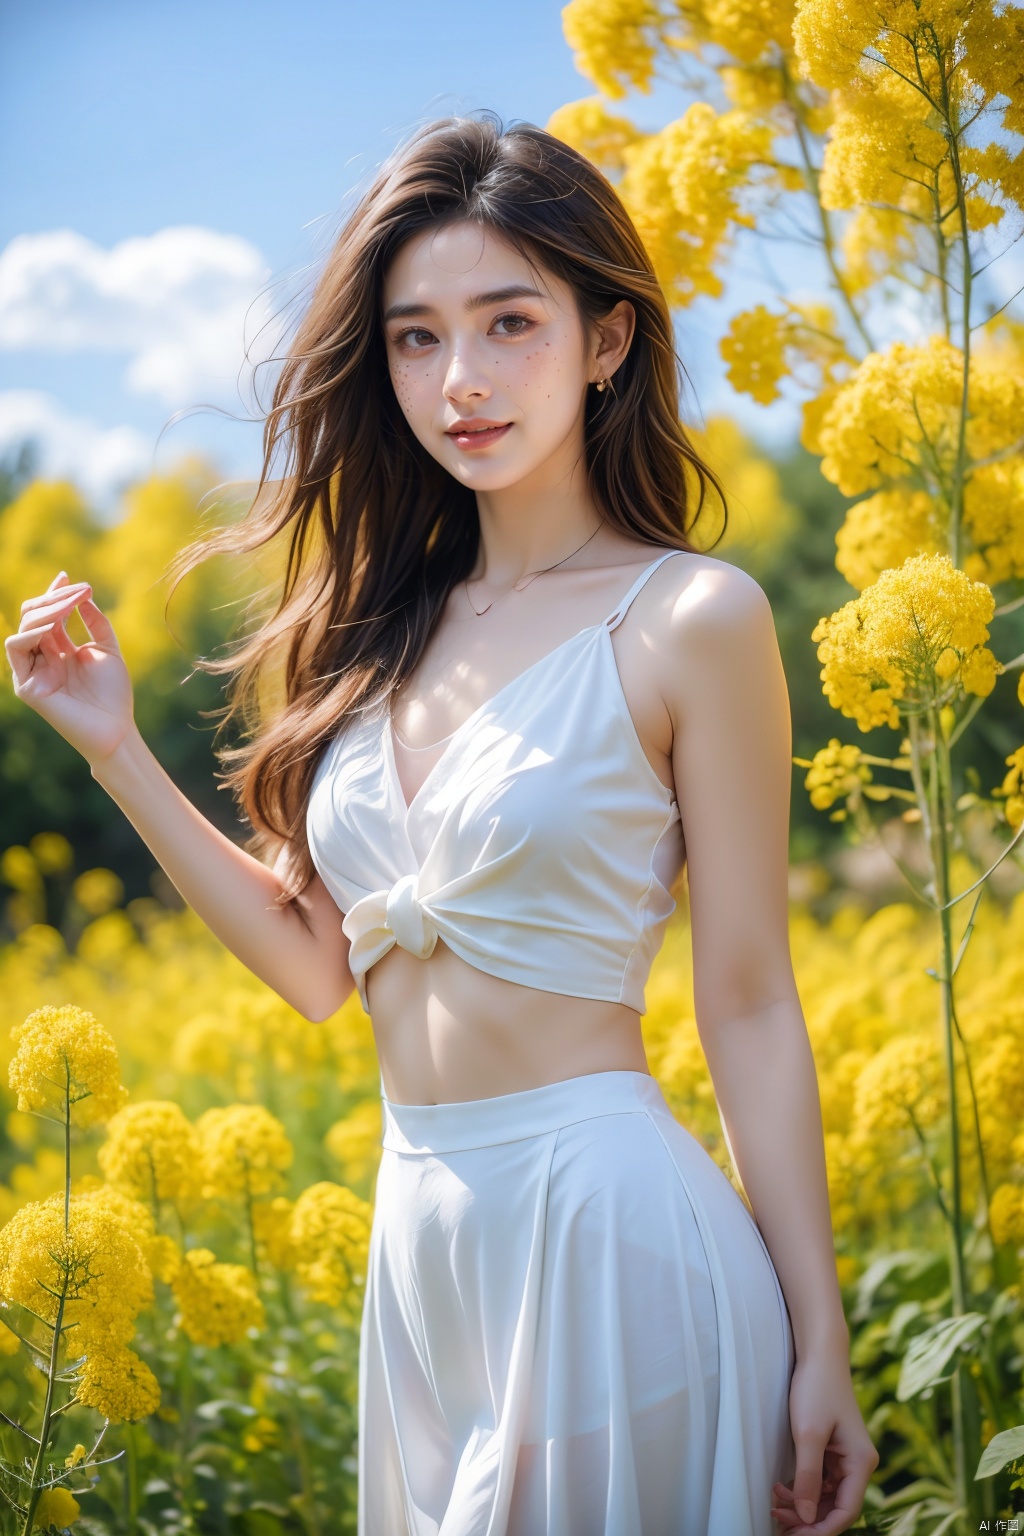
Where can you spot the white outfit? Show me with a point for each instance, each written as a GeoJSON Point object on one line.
{"type": "Point", "coordinates": [572, 1326]}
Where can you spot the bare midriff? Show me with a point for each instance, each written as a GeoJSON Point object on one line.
{"type": "Point", "coordinates": [446, 1032]}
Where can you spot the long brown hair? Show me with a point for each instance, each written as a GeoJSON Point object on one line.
{"type": "Point", "coordinates": [377, 532]}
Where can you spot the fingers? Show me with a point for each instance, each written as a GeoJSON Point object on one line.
{"type": "Point", "coordinates": [23, 647]}
{"type": "Point", "coordinates": [810, 1456]}
{"type": "Point", "coordinates": [99, 626]}
{"type": "Point", "coordinates": [65, 597]}
{"type": "Point", "coordinates": [843, 1509]}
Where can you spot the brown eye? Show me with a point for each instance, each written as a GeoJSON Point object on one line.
{"type": "Point", "coordinates": [415, 335]}
{"type": "Point", "coordinates": [520, 324]}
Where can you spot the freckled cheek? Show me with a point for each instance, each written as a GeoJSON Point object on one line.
{"type": "Point", "coordinates": [415, 389]}
{"type": "Point", "coordinates": [537, 372]}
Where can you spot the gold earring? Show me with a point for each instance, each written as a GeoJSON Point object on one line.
{"type": "Point", "coordinates": [601, 386]}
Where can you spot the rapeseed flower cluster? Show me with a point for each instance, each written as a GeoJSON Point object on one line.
{"type": "Point", "coordinates": [837, 772]}
{"type": "Point", "coordinates": [762, 346]}
{"type": "Point", "coordinates": [615, 41]}
{"type": "Point", "coordinates": [883, 531]}
{"type": "Point", "coordinates": [1012, 788]}
{"type": "Point", "coordinates": [219, 1302]}
{"type": "Point", "coordinates": [153, 1152]}
{"type": "Point", "coordinates": [869, 1006]}
{"type": "Point", "coordinates": [688, 188]}
{"type": "Point", "coordinates": [65, 1057]}
{"type": "Point", "coordinates": [330, 1235]}
{"type": "Point", "coordinates": [909, 642]}
{"type": "Point", "coordinates": [245, 1152]}
{"type": "Point", "coordinates": [90, 1277]}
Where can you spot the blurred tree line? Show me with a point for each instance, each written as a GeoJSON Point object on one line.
{"type": "Point", "coordinates": [783, 521]}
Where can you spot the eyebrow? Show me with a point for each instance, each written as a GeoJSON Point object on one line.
{"type": "Point", "coordinates": [477, 301]}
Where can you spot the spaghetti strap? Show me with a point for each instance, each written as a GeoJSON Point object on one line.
{"type": "Point", "coordinates": [618, 614]}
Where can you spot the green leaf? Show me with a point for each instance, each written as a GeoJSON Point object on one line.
{"type": "Point", "coordinates": [930, 1352]}
{"type": "Point", "coordinates": [1001, 1449]}
{"type": "Point", "coordinates": [968, 931]}
{"type": "Point", "coordinates": [907, 1524]}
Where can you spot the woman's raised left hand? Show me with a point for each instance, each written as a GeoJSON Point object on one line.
{"type": "Point", "coordinates": [834, 1453]}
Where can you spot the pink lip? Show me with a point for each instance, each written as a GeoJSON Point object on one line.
{"type": "Point", "coordinates": [477, 433]}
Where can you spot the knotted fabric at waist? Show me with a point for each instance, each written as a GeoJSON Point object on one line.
{"type": "Point", "coordinates": [383, 919]}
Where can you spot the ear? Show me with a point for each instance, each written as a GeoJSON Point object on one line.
{"type": "Point", "coordinates": [613, 334]}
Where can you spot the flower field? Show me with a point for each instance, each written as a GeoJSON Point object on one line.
{"type": "Point", "coordinates": [187, 1165]}
{"type": "Point", "coordinates": [223, 1152]}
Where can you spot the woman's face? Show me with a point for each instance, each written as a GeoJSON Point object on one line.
{"type": "Point", "coordinates": [488, 357]}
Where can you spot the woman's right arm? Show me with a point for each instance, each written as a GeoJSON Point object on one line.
{"type": "Point", "coordinates": [85, 693]}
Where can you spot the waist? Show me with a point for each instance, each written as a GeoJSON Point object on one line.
{"type": "Point", "coordinates": [506, 1117]}
{"type": "Point", "coordinates": [445, 1031]}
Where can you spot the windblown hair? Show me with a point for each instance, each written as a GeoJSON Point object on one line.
{"type": "Point", "coordinates": [377, 532]}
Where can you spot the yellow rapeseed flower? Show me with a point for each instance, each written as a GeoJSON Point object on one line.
{"type": "Point", "coordinates": [97, 891]}
{"type": "Point", "coordinates": [356, 1141]}
{"type": "Point", "coordinates": [272, 1223]}
{"type": "Point", "coordinates": [883, 531]}
{"type": "Point", "coordinates": [876, 243]}
{"type": "Point", "coordinates": [1012, 788]}
{"type": "Point", "coordinates": [119, 1385]}
{"type": "Point", "coordinates": [993, 49]}
{"type": "Point", "coordinates": [63, 1055]}
{"type": "Point", "coordinates": [9, 1341]}
{"type": "Point", "coordinates": [588, 126]}
{"type": "Point", "coordinates": [752, 31]}
{"type": "Point", "coordinates": [830, 38]}
{"type": "Point", "coordinates": [96, 1265]}
{"type": "Point", "coordinates": [259, 1435]}
{"type": "Point", "coordinates": [907, 642]}
{"type": "Point", "coordinates": [52, 852]}
{"type": "Point", "coordinates": [762, 346]}
{"type": "Point", "coordinates": [57, 1507]}
{"type": "Point", "coordinates": [900, 1085]}
{"type": "Point", "coordinates": [878, 419]}
{"type": "Point", "coordinates": [836, 773]}
{"type": "Point", "coordinates": [160, 1252]}
{"type": "Point", "coordinates": [331, 1236]}
{"type": "Point", "coordinates": [1006, 1214]}
{"type": "Point", "coordinates": [994, 518]}
{"type": "Point", "coordinates": [219, 1302]}
{"type": "Point", "coordinates": [614, 42]}
{"type": "Point", "coordinates": [246, 1151]}
{"type": "Point", "coordinates": [153, 1151]}
{"type": "Point", "coordinates": [898, 416]}
{"type": "Point", "coordinates": [688, 186]}
{"type": "Point", "coordinates": [881, 147]}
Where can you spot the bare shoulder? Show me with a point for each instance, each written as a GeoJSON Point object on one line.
{"type": "Point", "coordinates": [696, 597]}
{"type": "Point", "coordinates": [709, 624]}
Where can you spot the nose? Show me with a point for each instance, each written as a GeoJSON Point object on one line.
{"type": "Point", "coordinates": [465, 378]}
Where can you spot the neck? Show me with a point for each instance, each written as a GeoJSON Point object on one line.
{"type": "Point", "coordinates": [535, 523]}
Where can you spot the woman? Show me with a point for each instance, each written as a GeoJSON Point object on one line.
{"type": "Point", "coordinates": [508, 686]}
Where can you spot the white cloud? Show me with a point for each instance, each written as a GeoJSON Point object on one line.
{"type": "Point", "coordinates": [179, 303]}
{"type": "Point", "coordinates": [99, 460]}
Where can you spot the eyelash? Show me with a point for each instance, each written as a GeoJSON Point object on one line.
{"type": "Point", "coordinates": [421, 330]}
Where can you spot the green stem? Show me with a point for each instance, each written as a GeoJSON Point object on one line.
{"type": "Point", "coordinates": [952, 127]}
{"type": "Point", "coordinates": [133, 1479]}
{"type": "Point", "coordinates": [45, 1430]}
{"type": "Point", "coordinates": [966, 1439]}
{"type": "Point", "coordinates": [253, 1258]}
{"type": "Point", "coordinates": [308, 1508]}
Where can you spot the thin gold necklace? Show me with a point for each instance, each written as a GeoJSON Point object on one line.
{"type": "Point", "coordinates": [530, 576]}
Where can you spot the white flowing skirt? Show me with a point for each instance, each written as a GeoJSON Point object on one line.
{"type": "Point", "coordinates": [572, 1326]}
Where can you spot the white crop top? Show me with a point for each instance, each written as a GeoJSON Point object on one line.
{"type": "Point", "coordinates": [540, 847]}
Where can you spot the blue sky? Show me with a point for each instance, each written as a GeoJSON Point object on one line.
{"type": "Point", "coordinates": [221, 139]}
